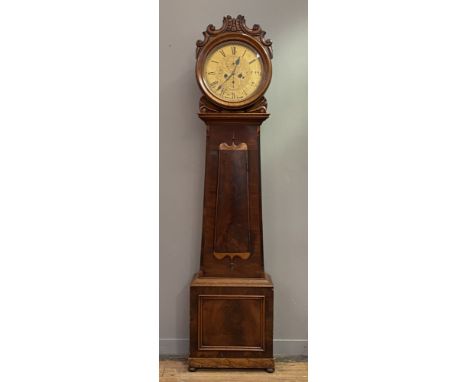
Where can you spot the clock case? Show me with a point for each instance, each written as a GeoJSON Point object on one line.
{"type": "Point", "coordinates": [231, 297]}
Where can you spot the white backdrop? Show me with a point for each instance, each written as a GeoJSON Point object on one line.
{"type": "Point", "coordinates": [78, 191]}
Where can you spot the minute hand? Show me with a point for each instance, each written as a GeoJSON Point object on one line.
{"type": "Point", "coordinates": [233, 72]}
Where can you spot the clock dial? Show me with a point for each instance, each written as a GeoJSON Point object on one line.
{"type": "Point", "coordinates": [233, 72]}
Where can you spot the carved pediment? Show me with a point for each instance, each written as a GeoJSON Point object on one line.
{"type": "Point", "coordinates": [237, 24]}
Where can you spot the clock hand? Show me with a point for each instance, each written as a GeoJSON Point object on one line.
{"type": "Point", "coordinates": [233, 72]}
{"type": "Point", "coordinates": [227, 79]}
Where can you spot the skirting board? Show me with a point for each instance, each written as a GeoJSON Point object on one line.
{"type": "Point", "coordinates": [281, 348]}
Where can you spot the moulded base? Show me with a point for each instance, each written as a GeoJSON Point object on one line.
{"type": "Point", "coordinates": [232, 363]}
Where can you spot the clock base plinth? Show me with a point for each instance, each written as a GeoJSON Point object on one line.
{"type": "Point", "coordinates": [231, 323]}
{"type": "Point", "coordinates": [232, 363]}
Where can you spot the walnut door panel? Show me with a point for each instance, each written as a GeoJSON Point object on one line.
{"type": "Point", "coordinates": [232, 203]}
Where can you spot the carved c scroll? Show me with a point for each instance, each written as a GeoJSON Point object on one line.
{"type": "Point", "coordinates": [206, 106]}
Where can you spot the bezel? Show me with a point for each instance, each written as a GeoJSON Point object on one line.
{"type": "Point", "coordinates": [241, 38]}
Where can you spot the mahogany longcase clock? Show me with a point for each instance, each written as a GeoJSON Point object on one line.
{"type": "Point", "coordinates": [231, 297]}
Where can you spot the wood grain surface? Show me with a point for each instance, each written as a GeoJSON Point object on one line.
{"type": "Point", "coordinates": [232, 211]}
{"type": "Point", "coordinates": [231, 321]}
{"type": "Point", "coordinates": [175, 370]}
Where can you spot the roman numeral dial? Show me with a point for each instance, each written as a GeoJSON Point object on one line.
{"type": "Point", "coordinates": [232, 72]}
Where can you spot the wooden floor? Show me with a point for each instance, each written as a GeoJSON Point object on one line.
{"type": "Point", "coordinates": [175, 370]}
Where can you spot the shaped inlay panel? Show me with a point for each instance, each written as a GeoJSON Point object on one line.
{"type": "Point", "coordinates": [232, 203]}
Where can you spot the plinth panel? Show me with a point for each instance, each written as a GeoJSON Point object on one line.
{"type": "Point", "coordinates": [231, 322]}
{"type": "Point", "coordinates": [231, 319]}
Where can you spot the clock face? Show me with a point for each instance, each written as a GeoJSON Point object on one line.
{"type": "Point", "coordinates": [233, 72]}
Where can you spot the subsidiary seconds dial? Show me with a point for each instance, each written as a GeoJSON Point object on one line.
{"type": "Point", "coordinates": [232, 72]}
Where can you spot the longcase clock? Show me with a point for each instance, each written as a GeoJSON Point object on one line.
{"type": "Point", "coordinates": [231, 297]}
